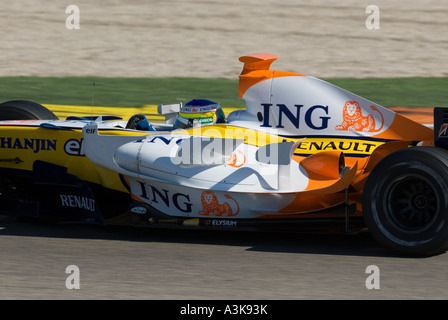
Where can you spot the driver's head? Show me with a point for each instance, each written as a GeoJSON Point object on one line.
{"type": "Point", "coordinates": [199, 112]}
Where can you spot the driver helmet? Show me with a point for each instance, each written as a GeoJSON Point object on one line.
{"type": "Point", "coordinates": [198, 112]}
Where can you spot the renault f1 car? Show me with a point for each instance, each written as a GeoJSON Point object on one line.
{"type": "Point", "coordinates": [304, 155]}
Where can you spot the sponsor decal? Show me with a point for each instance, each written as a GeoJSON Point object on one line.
{"type": "Point", "coordinates": [191, 222]}
{"type": "Point", "coordinates": [353, 120]}
{"type": "Point", "coordinates": [138, 210]}
{"type": "Point", "coordinates": [36, 145]}
{"type": "Point", "coordinates": [443, 132]}
{"type": "Point", "coordinates": [199, 109]}
{"type": "Point", "coordinates": [161, 197]}
{"type": "Point", "coordinates": [74, 147]}
{"type": "Point", "coordinates": [223, 223]}
{"type": "Point", "coordinates": [285, 114]}
{"type": "Point", "coordinates": [236, 159]}
{"type": "Point", "coordinates": [165, 140]}
{"type": "Point", "coordinates": [72, 201]}
{"type": "Point", "coordinates": [154, 195]}
{"type": "Point", "coordinates": [349, 146]}
{"type": "Point", "coordinates": [164, 221]}
{"type": "Point", "coordinates": [211, 206]}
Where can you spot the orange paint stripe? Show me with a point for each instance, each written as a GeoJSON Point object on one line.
{"type": "Point", "coordinates": [403, 128]}
{"type": "Point", "coordinates": [418, 114]}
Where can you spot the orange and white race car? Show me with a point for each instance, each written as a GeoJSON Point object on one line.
{"type": "Point", "coordinates": [304, 155]}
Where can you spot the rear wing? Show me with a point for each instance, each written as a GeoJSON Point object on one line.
{"type": "Point", "coordinates": [441, 127]}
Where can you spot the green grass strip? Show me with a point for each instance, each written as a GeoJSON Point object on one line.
{"type": "Point", "coordinates": [407, 92]}
{"type": "Point", "coordinates": [422, 92]}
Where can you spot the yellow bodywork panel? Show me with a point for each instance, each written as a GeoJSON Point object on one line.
{"type": "Point", "coordinates": [20, 146]}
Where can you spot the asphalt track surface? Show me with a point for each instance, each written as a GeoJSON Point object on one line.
{"type": "Point", "coordinates": [153, 264]}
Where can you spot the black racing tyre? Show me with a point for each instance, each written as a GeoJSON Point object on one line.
{"type": "Point", "coordinates": [405, 201]}
{"type": "Point", "coordinates": [25, 110]}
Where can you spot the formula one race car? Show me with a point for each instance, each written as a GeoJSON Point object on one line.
{"type": "Point", "coordinates": [304, 155]}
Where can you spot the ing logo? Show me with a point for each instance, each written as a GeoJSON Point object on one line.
{"type": "Point", "coordinates": [353, 120]}
{"type": "Point", "coordinates": [237, 159]}
{"type": "Point", "coordinates": [212, 207]}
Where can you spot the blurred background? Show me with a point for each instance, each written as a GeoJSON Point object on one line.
{"type": "Point", "coordinates": [189, 38]}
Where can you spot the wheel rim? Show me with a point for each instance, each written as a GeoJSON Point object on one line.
{"type": "Point", "coordinates": [412, 203]}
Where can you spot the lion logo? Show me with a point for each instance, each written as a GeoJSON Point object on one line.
{"type": "Point", "coordinates": [211, 206]}
{"type": "Point", "coordinates": [353, 120]}
{"type": "Point", "coordinates": [237, 159]}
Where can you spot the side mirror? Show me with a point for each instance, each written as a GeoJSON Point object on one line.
{"type": "Point", "coordinates": [169, 108]}
{"type": "Point", "coordinates": [170, 111]}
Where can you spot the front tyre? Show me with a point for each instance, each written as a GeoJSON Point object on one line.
{"type": "Point", "coordinates": [405, 201]}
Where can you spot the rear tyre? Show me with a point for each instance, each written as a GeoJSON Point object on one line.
{"type": "Point", "coordinates": [405, 201]}
{"type": "Point", "coordinates": [25, 110]}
